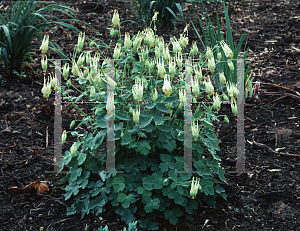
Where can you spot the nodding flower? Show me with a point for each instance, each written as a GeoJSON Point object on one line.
{"type": "Point", "coordinates": [127, 41]}
{"type": "Point", "coordinates": [154, 18]}
{"type": "Point", "coordinates": [116, 18]}
{"type": "Point", "coordinates": [211, 64]}
{"type": "Point", "coordinates": [194, 188]}
{"type": "Point", "coordinates": [137, 90]}
{"type": "Point", "coordinates": [226, 49]}
{"type": "Point", "coordinates": [44, 46]}
{"type": "Point", "coordinates": [80, 41]}
{"type": "Point", "coordinates": [136, 115]}
{"type": "Point", "coordinates": [46, 90]}
{"type": "Point", "coordinates": [167, 89]}
{"type": "Point", "coordinates": [161, 68]}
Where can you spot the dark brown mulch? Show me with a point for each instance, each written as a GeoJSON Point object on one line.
{"type": "Point", "coordinates": [265, 198]}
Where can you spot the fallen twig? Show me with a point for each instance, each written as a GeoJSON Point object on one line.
{"type": "Point", "coordinates": [270, 149]}
{"type": "Point", "coordinates": [286, 88]}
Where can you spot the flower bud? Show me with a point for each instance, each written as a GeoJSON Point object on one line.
{"type": "Point", "coordinates": [74, 149]}
{"type": "Point", "coordinates": [211, 64]}
{"type": "Point", "coordinates": [225, 97]}
{"type": "Point", "coordinates": [219, 56]}
{"type": "Point", "coordinates": [226, 120]}
{"type": "Point", "coordinates": [222, 78]}
{"type": "Point", "coordinates": [69, 83]}
{"type": "Point", "coordinates": [230, 65]}
{"type": "Point", "coordinates": [97, 111]}
{"type": "Point", "coordinates": [234, 108]}
{"type": "Point", "coordinates": [195, 130]}
{"type": "Point", "coordinates": [72, 124]}
{"type": "Point", "coordinates": [112, 32]}
{"type": "Point", "coordinates": [86, 73]}
{"type": "Point", "coordinates": [92, 92]}
{"type": "Point", "coordinates": [154, 95]}
{"type": "Point", "coordinates": [44, 63]}
{"type": "Point", "coordinates": [93, 43]}
{"type": "Point", "coordinates": [64, 137]}
{"type": "Point", "coordinates": [209, 53]}
{"type": "Point", "coordinates": [66, 70]}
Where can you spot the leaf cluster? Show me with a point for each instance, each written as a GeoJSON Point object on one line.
{"type": "Point", "coordinates": [21, 24]}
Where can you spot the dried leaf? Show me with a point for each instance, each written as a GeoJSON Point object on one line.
{"type": "Point", "coordinates": [15, 189]}
{"type": "Point", "coordinates": [35, 186]}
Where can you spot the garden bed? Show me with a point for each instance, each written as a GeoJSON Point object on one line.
{"type": "Point", "coordinates": [266, 197]}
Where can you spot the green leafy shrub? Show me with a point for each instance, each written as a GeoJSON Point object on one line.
{"type": "Point", "coordinates": [149, 132]}
{"type": "Point", "coordinates": [20, 25]}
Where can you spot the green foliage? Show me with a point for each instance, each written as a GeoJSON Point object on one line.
{"type": "Point", "coordinates": [212, 39]}
{"type": "Point", "coordinates": [22, 23]}
{"type": "Point", "coordinates": [167, 9]}
{"type": "Point", "coordinates": [150, 150]}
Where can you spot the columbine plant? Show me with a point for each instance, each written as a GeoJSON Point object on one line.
{"type": "Point", "coordinates": [148, 99]}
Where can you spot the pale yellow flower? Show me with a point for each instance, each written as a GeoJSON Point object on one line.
{"type": "Point", "coordinates": [154, 18]}
{"type": "Point", "coordinates": [226, 49]}
{"type": "Point", "coordinates": [167, 89]}
{"type": "Point", "coordinates": [44, 46]}
{"type": "Point", "coordinates": [194, 188]}
{"type": "Point", "coordinates": [116, 18]}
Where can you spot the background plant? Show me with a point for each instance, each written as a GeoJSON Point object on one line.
{"type": "Point", "coordinates": [149, 133]}
{"type": "Point", "coordinates": [21, 24]}
{"type": "Point", "coordinates": [212, 39]}
{"type": "Point", "coordinates": [167, 9]}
